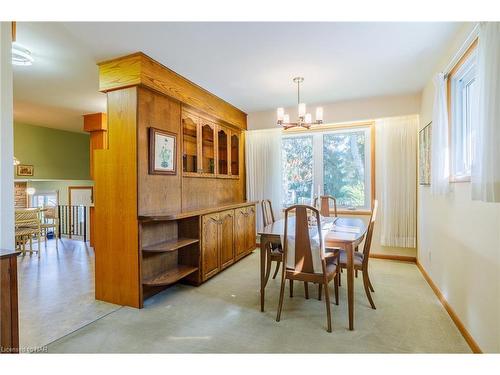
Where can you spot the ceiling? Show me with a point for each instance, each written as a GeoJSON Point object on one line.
{"type": "Point", "coordinates": [250, 65]}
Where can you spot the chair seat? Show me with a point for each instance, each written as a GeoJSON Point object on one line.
{"type": "Point", "coordinates": [331, 271]}
{"type": "Point", "coordinates": [25, 231]}
{"type": "Point", "coordinates": [358, 259]}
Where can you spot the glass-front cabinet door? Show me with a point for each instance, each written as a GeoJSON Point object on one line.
{"type": "Point", "coordinates": [223, 154]}
{"type": "Point", "coordinates": [189, 143]}
{"type": "Point", "coordinates": [235, 154]}
{"type": "Point", "coordinates": [207, 147]}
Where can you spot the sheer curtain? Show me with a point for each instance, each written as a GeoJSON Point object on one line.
{"type": "Point", "coordinates": [263, 166]}
{"type": "Point", "coordinates": [486, 132]}
{"type": "Point", "coordinates": [440, 158]}
{"type": "Point", "coordinates": [397, 165]}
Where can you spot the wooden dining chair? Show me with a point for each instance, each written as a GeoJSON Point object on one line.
{"type": "Point", "coordinates": [276, 251]}
{"type": "Point", "coordinates": [325, 205]}
{"type": "Point", "coordinates": [361, 259]}
{"type": "Point", "coordinates": [301, 264]}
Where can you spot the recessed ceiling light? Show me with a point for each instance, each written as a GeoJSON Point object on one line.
{"type": "Point", "coordinates": [21, 55]}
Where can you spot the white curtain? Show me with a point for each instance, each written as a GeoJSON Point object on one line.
{"type": "Point", "coordinates": [486, 131]}
{"type": "Point", "coordinates": [440, 158]}
{"type": "Point", "coordinates": [397, 163]}
{"type": "Point", "coordinates": [263, 165]}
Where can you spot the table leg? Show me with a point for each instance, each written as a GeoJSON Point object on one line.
{"type": "Point", "coordinates": [262, 270]}
{"type": "Point", "coordinates": [350, 283]}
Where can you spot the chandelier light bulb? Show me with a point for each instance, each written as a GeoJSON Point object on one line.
{"type": "Point", "coordinates": [319, 114]}
{"type": "Point", "coordinates": [308, 118]}
{"type": "Point", "coordinates": [302, 109]}
{"type": "Point", "coordinates": [286, 118]}
{"type": "Point", "coordinates": [280, 113]}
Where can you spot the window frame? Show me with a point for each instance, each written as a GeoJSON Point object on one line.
{"type": "Point", "coordinates": [331, 128]}
{"type": "Point", "coordinates": [450, 99]}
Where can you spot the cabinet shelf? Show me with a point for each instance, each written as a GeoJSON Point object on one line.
{"type": "Point", "coordinates": [171, 245]}
{"type": "Point", "coordinates": [170, 276]}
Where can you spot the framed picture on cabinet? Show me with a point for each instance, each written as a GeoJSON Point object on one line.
{"type": "Point", "coordinates": [25, 170]}
{"type": "Point", "coordinates": [162, 152]}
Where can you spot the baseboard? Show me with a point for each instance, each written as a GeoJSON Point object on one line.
{"type": "Point", "coordinates": [402, 258]}
{"type": "Point", "coordinates": [453, 315]}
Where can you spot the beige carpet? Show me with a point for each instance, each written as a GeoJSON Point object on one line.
{"type": "Point", "coordinates": [223, 316]}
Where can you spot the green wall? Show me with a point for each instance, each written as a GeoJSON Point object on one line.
{"type": "Point", "coordinates": [55, 154]}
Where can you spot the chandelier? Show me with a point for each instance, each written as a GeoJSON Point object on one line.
{"type": "Point", "coordinates": [304, 119]}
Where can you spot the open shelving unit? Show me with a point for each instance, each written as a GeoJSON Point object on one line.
{"type": "Point", "coordinates": [170, 276]}
{"type": "Point", "coordinates": [170, 245]}
{"type": "Point", "coordinates": [170, 252]}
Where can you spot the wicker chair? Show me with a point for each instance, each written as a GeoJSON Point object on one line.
{"type": "Point", "coordinates": [50, 221]}
{"type": "Point", "coordinates": [27, 226]}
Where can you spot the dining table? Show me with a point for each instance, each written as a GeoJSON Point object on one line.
{"type": "Point", "coordinates": [346, 233]}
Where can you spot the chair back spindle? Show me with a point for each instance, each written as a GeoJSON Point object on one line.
{"type": "Point", "coordinates": [303, 258]}
{"type": "Point", "coordinates": [369, 233]}
{"type": "Point", "coordinates": [325, 205]}
{"type": "Point", "coordinates": [267, 212]}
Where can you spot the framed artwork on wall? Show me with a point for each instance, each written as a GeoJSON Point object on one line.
{"type": "Point", "coordinates": [162, 152]}
{"type": "Point", "coordinates": [24, 170]}
{"type": "Point", "coordinates": [424, 155]}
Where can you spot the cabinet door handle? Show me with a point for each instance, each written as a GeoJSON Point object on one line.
{"type": "Point", "coordinates": [213, 219]}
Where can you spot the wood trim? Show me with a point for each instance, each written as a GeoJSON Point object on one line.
{"type": "Point", "coordinates": [14, 30]}
{"type": "Point", "coordinates": [139, 69]}
{"type": "Point", "coordinates": [453, 315]}
{"type": "Point", "coordinates": [453, 70]}
{"type": "Point", "coordinates": [401, 258]}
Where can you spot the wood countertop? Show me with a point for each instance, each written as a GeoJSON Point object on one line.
{"type": "Point", "coordinates": [186, 214]}
{"type": "Point", "coordinates": [8, 253]}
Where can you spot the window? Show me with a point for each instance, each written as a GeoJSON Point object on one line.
{"type": "Point", "coordinates": [462, 88]}
{"type": "Point", "coordinates": [297, 156]}
{"type": "Point", "coordinates": [334, 162]}
{"type": "Point", "coordinates": [44, 199]}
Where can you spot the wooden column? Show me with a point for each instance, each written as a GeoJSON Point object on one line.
{"type": "Point", "coordinates": [97, 125]}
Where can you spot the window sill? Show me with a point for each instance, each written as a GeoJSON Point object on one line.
{"type": "Point", "coordinates": [459, 179]}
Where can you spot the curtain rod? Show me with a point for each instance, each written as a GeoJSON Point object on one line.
{"type": "Point", "coordinates": [465, 46]}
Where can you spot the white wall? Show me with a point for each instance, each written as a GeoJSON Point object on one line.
{"type": "Point", "coordinates": [6, 140]}
{"type": "Point", "coordinates": [347, 111]}
{"type": "Point", "coordinates": [351, 111]}
{"type": "Point", "coordinates": [459, 243]}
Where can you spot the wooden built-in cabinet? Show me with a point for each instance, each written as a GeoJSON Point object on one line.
{"type": "Point", "coordinates": [244, 230]}
{"type": "Point", "coordinates": [153, 230]}
{"type": "Point", "coordinates": [210, 148]}
{"type": "Point", "coordinates": [218, 239]}
{"type": "Point", "coordinates": [194, 246]}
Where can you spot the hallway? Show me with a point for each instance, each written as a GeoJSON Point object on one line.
{"type": "Point", "coordinates": [56, 293]}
